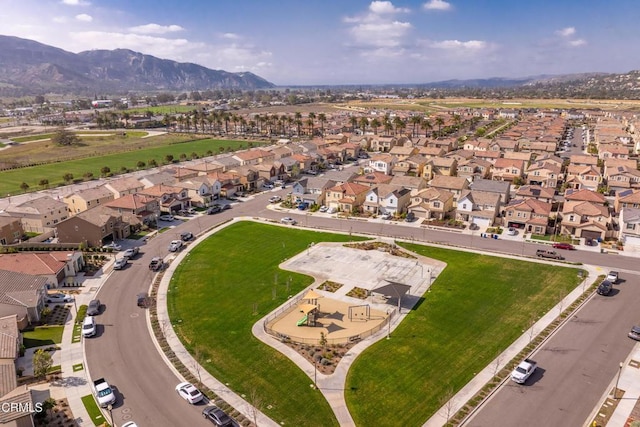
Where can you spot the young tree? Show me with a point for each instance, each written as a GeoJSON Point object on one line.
{"type": "Point", "coordinates": [24, 186]}
{"type": "Point", "coordinates": [88, 176]}
{"type": "Point", "coordinates": [168, 158]}
{"type": "Point", "coordinates": [64, 138]}
{"type": "Point", "coordinates": [67, 177]}
{"type": "Point", "coordinates": [42, 362]}
{"type": "Point", "coordinates": [44, 183]}
{"type": "Point", "coordinates": [140, 164]}
{"type": "Point", "coordinates": [106, 170]}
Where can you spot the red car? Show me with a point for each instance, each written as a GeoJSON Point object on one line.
{"type": "Point", "coordinates": [563, 246]}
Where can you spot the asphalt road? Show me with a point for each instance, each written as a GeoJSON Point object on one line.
{"type": "Point", "coordinates": [575, 367]}
{"type": "Point", "coordinates": [123, 352]}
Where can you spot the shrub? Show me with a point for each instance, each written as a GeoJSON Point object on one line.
{"type": "Point", "coordinates": [82, 312]}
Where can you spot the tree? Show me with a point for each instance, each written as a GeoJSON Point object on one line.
{"type": "Point", "coordinates": [64, 138]}
{"type": "Point", "coordinates": [44, 183]}
{"type": "Point", "coordinates": [42, 362]}
{"type": "Point", "coordinates": [24, 186]}
{"type": "Point", "coordinates": [168, 158]}
{"type": "Point", "coordinates": [140, 164]}
{"type": "Point", "coordinates": [106, 170]}
{"type": "Point", "coordinates": [88, 176]}
{"type": "Point", "coordinates": [153, 163]}
{"type": "Point", "coordinates": [67, 177]}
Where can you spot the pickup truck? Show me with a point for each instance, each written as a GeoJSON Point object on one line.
{"type": "Point", "coordinates": [523, 371]}
{"type": "Point", "coordinates": [104, 393]}
{"type": "Point", "coordinates": [545, 253]}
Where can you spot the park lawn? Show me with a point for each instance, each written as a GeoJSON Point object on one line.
{"type": "Point", "coordinates": [43, 335]}
{"type": "Point", "coordinates": [211, 301]}
{"type": "Point", "coordinates": [10, 180]}
{"type": "Point", "coordinates": [476, 308]}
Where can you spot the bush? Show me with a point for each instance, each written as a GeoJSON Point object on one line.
{"type": "Point", "coordinates": [82, 312]}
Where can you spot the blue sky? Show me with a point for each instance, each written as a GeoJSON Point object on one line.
{"type": "Point", "coordinates": [312, 42]}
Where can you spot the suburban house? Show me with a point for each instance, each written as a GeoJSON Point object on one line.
{"type": "Point", "coordinates": [94, 227]}
{"type": "Point", "coordinates": [403, 152]}
{"type": "Point", "coordinates": [440, 166]}
{"type": "Point", "coordinates": [164, 177]}
{"type": "Point", "coordinates": [583, 177]}
{"type": "Point", "coordinates": [254, 156]}
{"type": "Point", "coordinates": [22, 295]}
{"type": "Point", "coordinates": [432, 203]}
{"type": "Point", "coordinates": [205, 167]}
{"type": "Point", "coordinates": [58, 267]}
{"type": "Point", "coordinates": [312, 190]}
{"type": "Point", "coordinates": [383, 143]}
{"type": "Point", "coordinates": [138, 208]}
{"type": "Point", "coordinates": [586, 219]}
{"type": "Point", "coordinates": [478, 207]}
{"type": "Point", "coordinates": [454, 184]}
{"type": "Point", "coordinates": [413, 165]}
{"type": "Point", "coordinates": [387, 199]}
{"type": "Point", "coordinates": [503, 188]}
{"type": "Point", "coordinates": [584, 195]}
{"type": "Point", "coordinates": [11, 230]}
{"type": "Point", "coordinates": [123, 186]}
{"type": "Point", "coordinates": [202, 190]}
{"type": "Point", "coordinates": [622, 177]}
{"type": "Point", "coordinates": [171, 198]}
{"type": "Point", "coordinates": [530, 215]}
{"type": "Point", "coordinates": [182, 173]}
{"type": "Point", "coordinates": [544, 174]}
{"type": "Point", "coordinates": [250, 177]}
{"type": "Point", "coordinates": [347, 197]}
{"type": "Point", "coordinates": [544, 194]}
{"type": "Point", "coordinates": [39, 215]}
{"type": "Point", "coordinates": [82, 200]}
{"type": "Point", "coordinates": [615, 151]}
{"type": "Point", "coordinates": [508, 169]}
{"type": "Point", "coordinates": [413, 183]}
{"type": "Point", "coordinates": [229, 182]}
{"type": "Point", "coordinates": [627, 199]}
{"type": "Point", "coordinates": [381, 163]}
{"type": "Point", "coordinates": [19, 396]}
{"type": "Point", "coordinates": [629, 233]}
{"type": "Point", "coordinates": [268, 171]}
{"type": "Point", "coordinates": [583, 160]}
{"type": "Point", "coordinates": [474, 168]}
{"type": "Point", "coordinates": [372, 179]}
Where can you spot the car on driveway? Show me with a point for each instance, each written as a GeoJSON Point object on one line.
{"type": "Point", "coordinates": [175, 245]}
{"type": "Point", "coordinates": [120, 263]}
{"type": "Point", "coordinates": [113, 246]}
{"type": "Point", "coordinates": [217, 416]}
{"type": "Point", "coordinates": [386, 216]}
{"type": "Point", "coordinates": [58, 297]}
{"type": "Point", "coordinates": [131, 253]}
{"type": "Point", "coordinates": [323, 208]}
{"type": "Point", "coordinates": [512, 231]}
{"type": "Point", "coordinates": [94, 307]}
{"type": "Point", "coordinates": [186, 236]}
{"type": "Point", "coordinates": [410, 217]}
{"type": "Point", "coordinates": [566, 246]}
{"type": "Point", "coordinates": [189, 392]}
{"type": "Point", "coordinates": [167, 218]}
{"type": "Point", "coordinates": [612, 276]}
{"type": "Point", "coordinates": [288, 220]}
{"type": "Point", "coordinates": [605, 288]}
{"type": "Point", "coordinates": [634, 334]}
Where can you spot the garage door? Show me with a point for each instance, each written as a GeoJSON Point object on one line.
{"type": "Point", "coordinates": [481, 222]}
{"type": "Point", "coordinates": [590, 234]}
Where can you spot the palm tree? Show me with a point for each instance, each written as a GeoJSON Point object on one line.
{"type": "Point", "coordinates": [439, 122]}
{"type": "Point", "coordinates": [426, 125]}
{"type": "Point", "coordinates": [398, 124]}
{"type": "Point", "coordinates": [375, 124]}
{"type": "Point", "coordinates": [364, 122]}
{"type": "Point", "coordinates": [322, 118]}
{"type": "Point", "coordinates": [311, 122]}
{"type": "Point", "coordinates": [354, 123]}
{"type": "Point", "coordinates": [415, 121]}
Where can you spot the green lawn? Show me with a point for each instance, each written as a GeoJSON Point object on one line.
{"type": "Point", "coordinates": [94, 412]}
{"type": "Point", "coordinates": [476, 308]}
{"type": "Point", "coordinates": [10, 180]}
{"type": "Point", "coordinates": [211, 302]}
{"type": "Point", "coordinates": [43, 335]}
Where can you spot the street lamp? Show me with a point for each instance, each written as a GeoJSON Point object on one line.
{"type": "Point", "coordinates": [615, 390]}
{"type": "Point", "coordinates": [388, 324]}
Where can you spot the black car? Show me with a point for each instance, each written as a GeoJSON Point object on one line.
{"type": "Point", "coordinates": [142, 299]}
{"type": "Point", "coordinates": [605, 287]}
{"type": "Point", "coordinates": [217, 416]}
{"type": "Point", "coordinates": [186, 236]}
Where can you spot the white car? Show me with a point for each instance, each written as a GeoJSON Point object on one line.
{"type": "Point", "coordinates": [175, 245]}
{"type": "Point", "coordinates": [89, 326]}
{"type": "Point", "coordinates": [612, 276]}
{"type": "Point", "coordinates": [323, 208]}
{"type": "Point", "coordinates": [275, 199]}
{"type": "Point", "coordinates": [167, 218]}
{"type": "Point", "coordinates": [120, 263]}
{"type": "Point", "coordinates": [58, 297]}
{"type": "Point", "coordinates": [113, 245]}
{"type": "Point", "coordinates": [512, 231]}
{"type": "Point", "coordinates": [189, 392]}
{"type": "Point", "coordinates": [288, 220]}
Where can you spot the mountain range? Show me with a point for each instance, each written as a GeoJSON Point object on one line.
{"type": "Point", "coordinates": [28, 67]}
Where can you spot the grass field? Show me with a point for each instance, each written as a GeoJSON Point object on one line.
{"type": "Point", "coordinates": [211, 305]}
{"type": "Point", "coordinates": [43, 335]}
{"type": "Point", "coordinates": [10, 180]}
{"type": "Point", "coordinates": [163, 109]}
{"type": "Point", "coordinates": [476, 308]}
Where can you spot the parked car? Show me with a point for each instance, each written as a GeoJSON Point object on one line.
{"type": "Point", "coordinates": [323, 208]}
{"type": "Point", "coordinates": [410, 217]}
{"type": "Point", "coordinates": [131, 252]}
{"type": "Point", "coordinates": [267, 186]}
{"type": "Point", "coordinates": [605, 288]}
{"type": "Point", "coordinates": [386, 216]}
{"type": "Point", "coordinates": [94, 307]}
{"type": "Point", "coordinates": [186, 236]}
{"type": "Point", "coordinates": [89, 327]}
{"type": "Point", "coordinates": [217, 416]}
{"type": "Point", "coordinates": [175, 245]}
{"type": "Point", "coordinates": [612, 276]}
{"type": "Point", "coordinates": [113, 246]}
{"type": "Point", "coordinates": [58, 297]}
{"type": "Point", "coordinates": [167, 218]}
{"type": "Point", "coordinates": [512, 231]}
{"type": "Point", "coordinates": [275, 199]}
{"type": "Point", "coordinates": [156, 264]}
{"type": "Point", "coordinates": [303, 206]}
{"type": "Point", "coordinates": [634, 334]}
{"type": "Point", "coordinates": [120, 263]}
{"type": "Point", "coordinates": [225, 206]}
{"type": "Point", "coordinates": [566, 246]}
{"type": "Point", "coordinates": [189, 392]}
{"type": "Point", "coordinates": [214, 209]}
{"type": "Point", "coordinates": [142, 299]}
{"type": "Point", "coordinates": [332, 210]}
{"type": "Point", "coordinates": [288, 220]}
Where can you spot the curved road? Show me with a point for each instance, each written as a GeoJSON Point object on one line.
{"type": "Point", "coordinates": [124, 353]}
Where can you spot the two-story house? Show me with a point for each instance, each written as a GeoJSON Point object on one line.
{"type": "Point", "coordinates": [82, 200]}
{"type": "Point", "coordinates": [136, 209]}
{"type": "Point", "coordinates": [508, 169]}
{"type": "Point", "coordinates": [312, 190]}
{"type": "Point", "coordinates": [172, 198]}
{"type": "Point", "coordinates": [372, 179]}
{"type": "Point", "coordinates": [381, 163]}
{"type": "Point", "coordinates": [544, 174]}
{"type": "Point", "coordinates": [39, 215]}
{"type": "Point", "coordinates": [629, 231]}
{"type": "Point", "coordinates": [387, 199]}
{"type": "Point", "coordinates": [11, 230]}
{"type": "Point", "coordinates": [123, 186]}
{"type": "Point", "coordinates": [347, 197]}
{"type": "Point", "coordinates": [478, 207]}
{"type": "Point", "coordinates": [94, 227]}
{"type": "Point", "coordinates": [530, 215]}
{"type": "Point", "coordinates": [544, 194]}
{"type": "Point", "coordinates": [586, 220]}
{"type": "Point", "coordinates": [453, 184]}
{"type": "Point", "coordinates": [432, 203]}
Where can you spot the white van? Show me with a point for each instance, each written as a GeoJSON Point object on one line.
{"type": "Point", "coordinates": [89, 326]}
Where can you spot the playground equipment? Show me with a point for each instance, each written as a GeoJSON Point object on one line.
{"type": "Point", "coordinates": [303, 320]}
{"type": "Point", "coordinates": [310, 314]}
{"type": "Point", "coordinates": [359, 312]}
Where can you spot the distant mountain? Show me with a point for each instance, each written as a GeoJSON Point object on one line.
{"type": "Point", "coordinates": [28, 67]}
{"type": "Point", "coordinates": [500, 82]}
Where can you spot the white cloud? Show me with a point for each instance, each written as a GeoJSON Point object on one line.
{"type": "Point", "coordinates": [457, 44]}
{"type": "Point", "coordinates": [156, 29]}
{"type": "Point", "coordinates": [385, 8]}
{"type": "Point", "coordinates": [230, 36]}
{"type": "Point", "coordinates": [566, 32]}
{"type": "Point", "coordinates": [60, 19]}
{"type": "Point", "coordinates": [84, 17]}
{"type": "Point", "coordinates": [437, 5]}
{"type": "Point", "coordinates": [75, 2]}
{"type": "Point", "coordinates": [578, 42]}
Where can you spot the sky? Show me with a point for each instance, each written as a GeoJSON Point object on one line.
{"type": "Point", "coordinates": [333, 42]}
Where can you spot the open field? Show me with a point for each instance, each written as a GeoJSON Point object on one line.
{"type": "Point", "coordinates": [162, 109]}
{"type": "Point", "coordinates": [212, 305]}
{"type": "Point", "coordinates": [476, 308]}
{"type": "Point", "coordinates": [10, 180]}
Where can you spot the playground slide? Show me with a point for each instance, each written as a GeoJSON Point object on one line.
{"type": "Point", "coordinates": [302, 321]}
